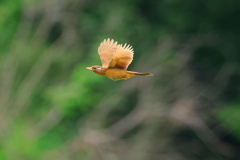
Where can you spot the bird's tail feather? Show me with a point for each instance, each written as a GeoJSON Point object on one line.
{"type": "Point", "coordinates": [141, 74]}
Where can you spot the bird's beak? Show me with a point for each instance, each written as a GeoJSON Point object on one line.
{"type": "Point", "coordinates": [90, 68]}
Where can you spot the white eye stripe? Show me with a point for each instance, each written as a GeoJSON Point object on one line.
{"type": "Point", "coordinates": [96, 68]}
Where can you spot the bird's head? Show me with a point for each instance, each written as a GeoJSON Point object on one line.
{"type": "Point", "coordinates": [96, 69]}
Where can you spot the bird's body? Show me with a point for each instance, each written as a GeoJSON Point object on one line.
{"type": "Point", "coordinates": [114, 73]}
{"type": "Point", "coordinates": [115, 60]}
{"type": "Point", "coordinates": [119, 74]}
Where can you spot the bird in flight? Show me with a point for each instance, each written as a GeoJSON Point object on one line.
{"type": "Point", "coordinates": [115, 60]}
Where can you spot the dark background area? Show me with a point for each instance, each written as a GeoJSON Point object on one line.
{"type": "Point", "coordinates": [51, 107]}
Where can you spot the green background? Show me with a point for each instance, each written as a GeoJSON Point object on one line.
{"type": "Point", "coordinates": [51, 107]}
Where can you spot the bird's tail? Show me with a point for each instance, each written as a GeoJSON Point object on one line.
{"type": "Point", "coordinates": [141, 74]}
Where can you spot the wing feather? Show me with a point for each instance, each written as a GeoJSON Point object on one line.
{"type": "Point", "coordinates": [106, 50]}
{"type": "Point", "coordinates": [123, 57]}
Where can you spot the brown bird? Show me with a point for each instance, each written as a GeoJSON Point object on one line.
{"type": "Point", "coordinates": [115, 60]}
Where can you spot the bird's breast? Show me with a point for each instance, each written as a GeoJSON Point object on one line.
{"type": "Point", "coordinates": [116, 74]}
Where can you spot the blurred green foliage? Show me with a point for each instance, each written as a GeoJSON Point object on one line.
{"type": "Point", "coordinates": [49, 100]}
{"type": "Point", "coordinates": [229, 118]}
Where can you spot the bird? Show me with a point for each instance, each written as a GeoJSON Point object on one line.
{"type": "Point", "coordinates": [115, 60]}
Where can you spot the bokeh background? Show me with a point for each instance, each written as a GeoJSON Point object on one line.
{"type": "Point", "coordinates": [52, 108]}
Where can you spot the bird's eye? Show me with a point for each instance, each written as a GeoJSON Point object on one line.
{"type": "Point", "coordinates": [95, 68]}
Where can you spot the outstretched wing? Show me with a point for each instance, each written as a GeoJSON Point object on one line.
{"type": "Point", "coordinates": [122, 57]}
{"type": "Point", "coordinates": [106, 50]}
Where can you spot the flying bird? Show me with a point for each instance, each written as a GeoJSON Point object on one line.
{"type": "Point", "coordinates": [115, 61]}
